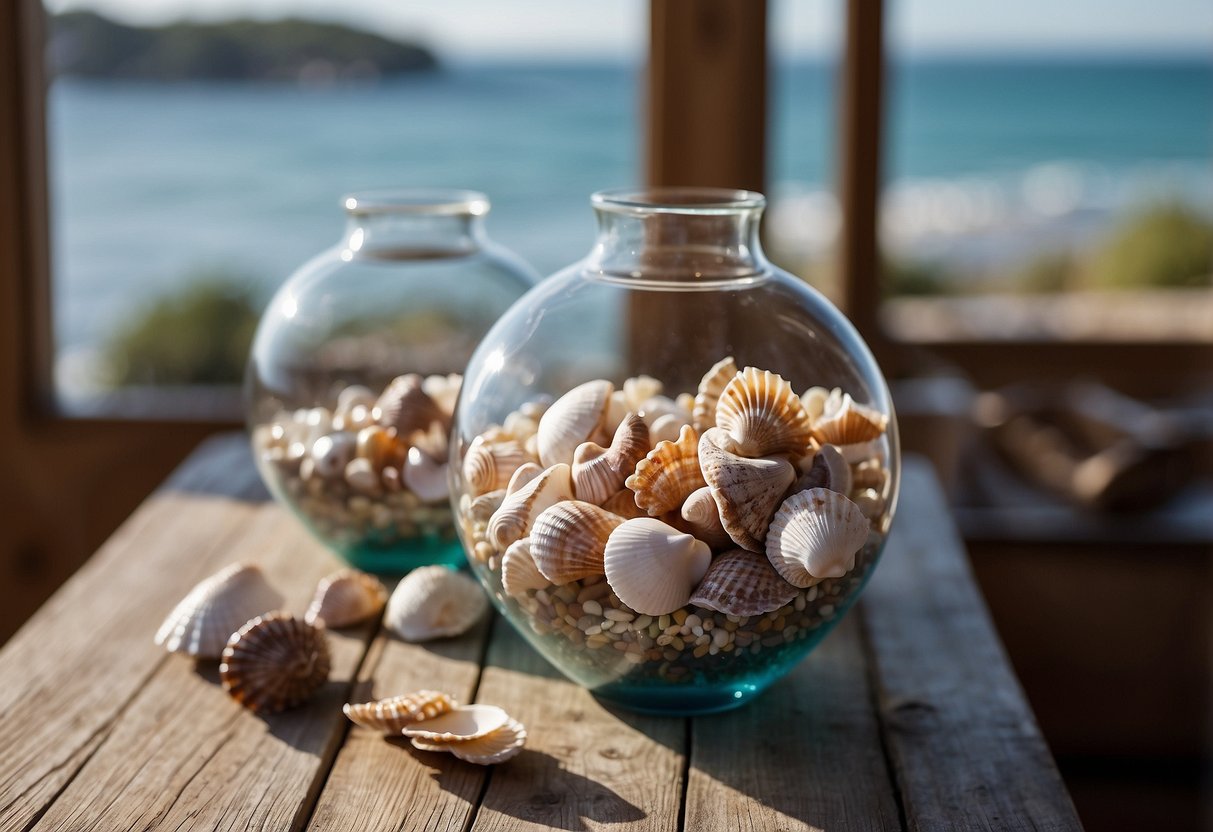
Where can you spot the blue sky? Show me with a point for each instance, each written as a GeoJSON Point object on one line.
{"type": "Point", "coordinates": [616, 29]}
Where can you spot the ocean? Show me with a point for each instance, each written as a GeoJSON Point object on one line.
{"type": "Point", "coordinates": [153, 185]}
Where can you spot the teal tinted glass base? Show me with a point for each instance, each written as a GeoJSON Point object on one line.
{"type": "Point", "coordinates": [403, 556]}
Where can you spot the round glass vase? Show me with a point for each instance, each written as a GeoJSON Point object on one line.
{"type": "Point", "coordinates": [355, 369]}
{"type": "Point", "coordinates": [640, 505]}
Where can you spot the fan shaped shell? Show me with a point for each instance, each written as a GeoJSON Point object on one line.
{"type": "Point", "coordinates": [274, 662]}
{"type": "Point", "coordinates": [816, 535]}
{"type": "Point", "coordinates": [762, 415]}
{"type": "Point", "coordinates": [747, 491]}
{"type": "Point", "coordinates": [518, 570]}
{"type": "Point", "coordinates": [710, 388]}
{"type": "Point", "coordinates": [345, 598]}
{"type": "Point", "coordinates": [668, 474]}
{"type": "Point", "coordinates": [488, 466]}
{"type": "Point", "coordinates": [599, 472]}
{"type": "Point", "coordinates": [459, 724]}
{"type": "Point", "coordinates": [497, 747]}
{"type": "Point", "coordinates": [390, 716]}
{"type": "Point", "coordinates": [568, 539]}
{"type": "Point", "coordinates": [652, 567]}
{"type": "Point", "coordinates": [742, 583]}
{"type": "Point", "coordinates": [434, 602]}
{"type": "Point", "coordinates": [843, 421]}
{"type": "Point", "coordinates": [575, 417]}
{"type": "Point", "coordinates": [519, 509]}
{"type": "Point", "coordinates": [203, 621]}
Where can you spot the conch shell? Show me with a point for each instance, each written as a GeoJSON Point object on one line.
{"type": "Point", "coordinates": [274, 662]}
{"type": "Point", "coordinates": [816, 535]}
{"type": "Point", "coordinates": [845, 422]}
{"type": "Point", "coordinates": [518, 570]}
{"type": "Point", "coordinates": [742, 583]}
{"type": "Point", "coordinates": [345, 598]}
{"type": "Point", "coordinates": [575, 417]}
{"type": "Point", "coordinates": [701, 517]}
{"type": "Point", "coordinates": [668, 474]}
{"type": "Point", "coordinates": [710, 388]}
{"type": "Point", "coordinates": [828, 469]}
{"type": "Point", "coordinates": [653, 567]}
{"type": "Point", "coordinates": [568, 539]}
{"type": "Point", "coordinates": [203, 621]}
{"type": "Point", "coordinates": [520, 508]}
{"type": "Point", "coordinates": [762, 415]}
{"type": "Point", "coordinates": [747, 491]}
{"type": "Point", "coordinates": [390, 716]}
{"type": "Point", "coordinates": [434, 602]}
{"type": "Point", "coordinates": [405, 406]}
{"type": "Point", "coordinates": [488, 466]}
{"type": "Point", "coordinates": [599, 472]}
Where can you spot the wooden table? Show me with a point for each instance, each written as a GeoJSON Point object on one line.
{"type": "Point", "coordinates": [907, 717]}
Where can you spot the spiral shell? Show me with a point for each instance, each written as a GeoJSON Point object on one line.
{"type": "Point", "coordinates": [747, 491]}
{"type": "Point", "coordinates": [599, 472]}
{"type": "Point", "coordinates": [518, 570]}
{"type": "Point", "coordinates": [568, 539]}
{"type": "Point", "coordinates": [273, 662]}
{"type": "Point", "coordinates": [489, 465]}
{"type": "Point", "coordinates": [828, 469]}
{"type": "Point", "coordinates": [203, 621]}
{"type": "Point", "coordinates": [405, 406]}
{"type": "Point", "coordinates": [652, 567]}
{"type": "Point", "coordinates": [668, 474]}
{"type": "Point", "coordinates": [575, 417]}
{"type": "Point", "coordinates": [390, 716]}
{"type": "Point", "coordinates": [434, 602]}
{"type": "Point", "coordinates": [345, 598]}
{"type": "Point", "coordinates": [816, 535]}
{"type": "Point", "coordinates": [742, 583]}
{"type": "Point", "coordinates": [701, 517]}
{"type": "Point", "coordinates": [710, 388]}
{"type": "Point", "coordinates": [762, 415]}
{"type": "Point", "coordinates": [845, 422]}
{"type": "Point", "coordinates": [520, 508]}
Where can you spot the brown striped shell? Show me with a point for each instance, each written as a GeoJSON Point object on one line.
{"type": "Point", "coordinates": [710, 388]}
{"type": "Point", "coordinates": [345, 598]}
{"type": "Point", "coordinates": [520, 508]}
{"type": "Point", "coordinates": [405, 406]}
{"type": "Point", "coordinates": [488, 466]}
{"type": "Point", "coordinates": [274, 662]}
{"type": "Point", "coordinates": [843, 421]}
{"type": "Point", "coordinates": [747, 491]}
{"type": "Point", "coordinates": [742, 583]}
{"type": "Point", "coordinates": [762, 415]}
{"type": "Point", "coordinates": [518, 570]}
{"type": "Point", "coordinates": [390, 716]}
{"type": "Point", "coordinates": [668, 474]}
{"type": "Point", "coordinates": [599, 472]}
{"type": "Point", "coordinates": [568, 539]}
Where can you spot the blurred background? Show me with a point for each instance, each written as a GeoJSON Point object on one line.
{"type": "Point", "coordinates": [1032, 262]}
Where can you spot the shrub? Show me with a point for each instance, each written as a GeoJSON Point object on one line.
{"type": "Point", "coordinates": [1167, 246]}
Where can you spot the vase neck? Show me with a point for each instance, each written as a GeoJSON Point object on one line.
{"type": "Point", "coordinates": [413, 224]}
{"type": "Point", "coordinates": [684, 236]}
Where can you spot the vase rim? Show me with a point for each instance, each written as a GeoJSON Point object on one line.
{"type": "Point", "coordinates": [446, 202]}
{"type": "Point", "coordinates": [678, 200]}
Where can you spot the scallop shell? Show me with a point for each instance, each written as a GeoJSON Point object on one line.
{"type": "Point", "coordinates": [568, 539]}
{"type": "Point", "coordinates": [273, 662]}
{"type": "Point", "coordinates": [497, 747]}
{"type": "Point", "coordinates": [702, 519]}
{"type": "Point", "coordinates": [345, 598]}
{"type": "Point", "coordinates": [814, 400]}
{"type": "Point", "coordinates": [845, 422]}
{"type": "Point", "coordinates": [710, 388]}
{"type": "Point", "coordinates": [652, 567]}
{"type": "Point", "coordinates": [742, 583]}
{"type": "Point", "coordinates": [668, 474]}
{"type": "Point", "coordinates": [828, 469]}
{"type": "Point", "coordinates": [623, 504]}
{"type": "Point", "coordinates": [747, 491]}
{"type": "Point", "coordinates": [575, 417]}
{"type": "Point", "coordinates": [425, 476]}
{"type": "Point", "coordinates": [390, 716]}
{"type": "Point", "coordinates": [815, 535]}
{"type": "Point", "coordinates": [203, 621]}
{"type": "Point", "coordinates": [762, 414]}
{"type": "Point", "coordinates": [666, 428]}
{"type": "Point", "coordinates": [405, 406]}
{"type": "Point", "coordinates": [434, 602]}
{"type": "Point", "coordinates": [444, 390]}
{"type": "Point", "coordinates": [599, 472]}
{"type": "Point", "coordinates": [460, 724]}
{"type": "Point", "coordinates": [489, 465]}
{"type": "Point", "coordinates": [520, 508]}
{"type": "Point", "coordinates": [518, 570]}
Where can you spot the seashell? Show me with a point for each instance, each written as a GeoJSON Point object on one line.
{"type": "Point", "coordinates": [497, 747]}
{"type": "Point", "coordinates": [390, 716]}
{"type": "Point", "coordinates": [433, 442]}
{"type": "Point", "coordinates": [685, 402]}
{"type": "Point", "coordinates": [666, 428]}
{"type": "Point", "coordinates": [862, 451]}
{"type": "Point", "coordinates": [434, 602]}
{"type": "Point", "coordinates": [710, 388]}
{"type": "Point", "coordinates": [652, 567]}
{"type": "Point", "coordinates": [574, 418]}
{"type": "Point", "coordinates": [668, 474]}
{"type": "Point", "coordinates": [623, 504]}
{"type": "Point", "coordinates": [815, 535]}
{"type": "Point", "coordinates": [331, 453]}
{"type": "Point", "coordinates": [869, 474]}
{"type": "Point", "coordinates": [425, 476]}
{"type": "Point", "coordinates": [483, 507]}
{"type": "Point", "coordinates": [360, 475]}
{"type": "Point", "coordinates": [444, 390]}
{"type": "Point", "coordinates": [814, 401]}
{"type": "Point", "coordinates": [525, 473]}
{"type": "Point", "coordinates": [203, 621]}
{"type": "Point", "coordinates": [762, 415]}
{"type": "Point", "coordinates": [351, 397]}
{"type": "Point", "coordinates": [702, 518]}
{"type": "Point", "coordinates": [518, 570]}
{"type": "Point", "coordinates": [345, 598]}
{"type": "Point", "coordinates": [747, 491]}
{"type": "Point", "coordinates": [520, 427]}
{"type": "Point", "coordinates": [489, 465]}
{"type": "Point", "coordinates": [828, 469]}
{"type": "Point", "coordinates": [599, 472]}
{"type": "Point", "coordinates": [405, 406]}
{"type": "Point", "coordinates": [654, 408]}
{"type": "Point", "coordinates": [742, 583]}
{"type": "Point", "coordinates": [460, 724]}
{"type": "Point", "coordinates": [639, 389]}
{"type": "Point", "coordinates": [845, 422]}
{"type": "Point", "coordinates": [273, 662]}
{"type": "Point", "coordinates": [378, 445]}
{"type": "Point", "coordinates": [520, 508]}
{"type": "Point", "coordinates": [567, 540]}
{"type": "Point", "coordinates": [870, 503]}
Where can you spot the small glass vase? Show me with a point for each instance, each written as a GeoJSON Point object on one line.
{"type": "Point", "coordinates": [356, 365]}
{"type": "Point", "coordinates": [647, 442]}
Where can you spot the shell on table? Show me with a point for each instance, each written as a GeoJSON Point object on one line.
{"type": "Point", "coordinates": [599, 472]}
{"type": "Point", "coordinates": [843, 421]}
{"type": "Point", "coordinates": [710, 387]}
{"type": "Point", "coordinates": [568, 539]}
{"type": "Point", "coordinates": [518, 570]}
{"type": "Point", "coordinates": [434, 602]}
{"type": "Point", "coordinates": [274, 662]}
{"type": "Point", "coordinates": [652, 567]}
{"type": "Point", "coordinates": [668, 474]}
{"type": "Point", "coordinates": [815, 535]}
{"type": "Point", "coordinates": [747, 491]}
{"type": "Point", "coordinates": [763, 415]}
{"type": "Point", "coordinates": [495, 747]}
{"type": "Point", "coordinates": [826, 469]}
{"type": "Point", "coordinates": [425, 476]}
{"type": "Point", "coordinates": [701, 517]}
{"type": "Point", "coordinates": [488, 466]}
{"type": "Point", "coordinates": [405, 406]}
{"type": "Point", "coordinates": [345, 598]}
{"type": "Point", "coordinates": [519, 509]}
{"type": "Point", "coordinates": [203, 621]}
{"type": "Point", "coordinates": [459, 724]}
{"type": "Point", "coordinates": [391, 715]}
{"type": "Point", "coordinates": [575, 417]}
{"type": "Point", "coordinates": [743, 583]}
{"type": "Point", "coordinates": [623, 504]}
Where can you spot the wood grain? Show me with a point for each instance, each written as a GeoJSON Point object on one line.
{"type": "Point", "coordinates": [806, 755]}
{"type": "Point", "coordinates": [964, 745]}
{"type": "Point", "coordinates": [584, 766]}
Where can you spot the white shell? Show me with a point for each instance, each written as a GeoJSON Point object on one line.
{"type": "Point", "coordinates": [201, 624]}
{"type": "Point", "coordinates": [434, 602]}
{"type": "Point", "coordinates": [639, 389]}
{"type": "Point", "coordinates": [525, 473]}
{"type": "Point", "coordinates": [713, 384]}
{"type": "Point", "coordinates": [666, 428]}
{"type": "Point", "coordinates": [518, 570]}
{"type": "Point", "coordinates": [656, 407]}
{"type": "Point", "coordinates": [460, 724]}
{"type": "Point", "coordinates": [653, 567]}
{"type": "Point", "coordinates": [816, 535]}
{"type": "Point", "coordinates": [520, 508]}
{"type": "Point", "coordinates": [389, 716]}
{"type": "Point", "coordinates": [599, 472]}
{"type": "Point", "coordinates": [567, 540]}
{"type": "Point", "coordinates": [425, 476]}
{"type": "Point", "coordinates": [575, 417]}
{"type": "Point", "coordinates": [701, 517]}
{"type": "Point", "coordinates": [345, 598]}
{"type": "Point", "coordinates": [494, 748]}
{"type": "Point", "coordinates": [747, 491]}
{"type": "Point", "coordinates": [331, 453]}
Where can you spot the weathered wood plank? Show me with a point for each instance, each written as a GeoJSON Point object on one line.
{"type": "Point", "coordinates": [89, 649]}
{"type": "Point", "coordinates": [966, 750]}
{"type": "Point", "coordinates": [584, 767]}
{"type": "Point", "coordinates": [806, 755]}
{"type": "Point", "coordinates": [183, 755]}
{"type": "Point", "coordinates": [381, 784]}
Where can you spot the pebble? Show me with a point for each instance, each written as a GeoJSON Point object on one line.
{"type": "Point", "coordinates": [618, 615]}
{"type": "Point", "coordinates": [591, 607]}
